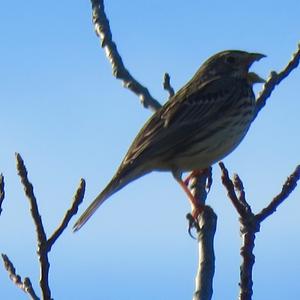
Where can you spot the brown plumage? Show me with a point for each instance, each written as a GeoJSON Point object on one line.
{"type": "Point", "coordinates": [201, 124]}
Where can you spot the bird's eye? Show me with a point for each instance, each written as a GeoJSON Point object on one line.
{"type": "Point", "coordinates": [231, 60]}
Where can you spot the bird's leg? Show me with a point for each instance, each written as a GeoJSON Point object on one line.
{"type": "Point", "coordinates": [197, 204]}
{"type": "Point", "coordinates": [197, 208]}
{"type": "Point", "coordinates": [191, 175]}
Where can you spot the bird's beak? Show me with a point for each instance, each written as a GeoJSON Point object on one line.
{"type": "Point", "coordinates": [255, 57]}
{"type": "Point", "coordinates": [253, 78]}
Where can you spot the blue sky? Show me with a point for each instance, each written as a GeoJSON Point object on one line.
{"type": "Point", "coordinates": [69, 118]}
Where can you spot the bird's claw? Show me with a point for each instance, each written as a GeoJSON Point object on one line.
{"type": "Point", "coordinates": [192, 224]}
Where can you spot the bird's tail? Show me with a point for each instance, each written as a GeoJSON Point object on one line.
{"type": "Point", "coordinates": [114, 185]}
{"type": "Point", "coordinates": [117, 183]}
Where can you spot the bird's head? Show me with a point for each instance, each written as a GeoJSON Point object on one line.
{"type": "Point", "coordinates": [233, 63]}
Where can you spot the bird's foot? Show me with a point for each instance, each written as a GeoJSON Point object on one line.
{"type": "Point", "coordinates": [193, 220]}
{"type": "Point", "coordinates": [196, 173]}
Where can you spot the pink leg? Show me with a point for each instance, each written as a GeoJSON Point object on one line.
{"type": "Point", "coordinates": [191, 175]}
{"type": "Point", "coordinates": [196, 207]}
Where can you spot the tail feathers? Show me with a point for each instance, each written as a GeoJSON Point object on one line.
{"type": "Point", "coordinates": [110, 189]}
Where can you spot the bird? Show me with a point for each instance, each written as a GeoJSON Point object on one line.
{"type": "Point", "coordinates": [198, 126]}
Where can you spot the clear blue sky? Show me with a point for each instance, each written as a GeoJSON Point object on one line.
{"type": "Point", "coordinates": [69, 118]}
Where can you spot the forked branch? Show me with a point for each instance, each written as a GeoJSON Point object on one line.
{"type": "Point", "coordinates": [24, 285]}
{"type": "Point", "coordinates": [44, 245]}
{"type": "Point", "coordinates": [250, 223]}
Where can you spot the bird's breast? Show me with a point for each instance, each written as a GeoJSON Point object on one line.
{"type": "Point", "coordinates": [219, 138]}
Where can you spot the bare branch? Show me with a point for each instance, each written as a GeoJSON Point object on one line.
{"type": "Point", "coordinates": [248, 227]}
{"type": "Point", "coordinates": [275, 79]}
{"type": "Point", "coordinates": [103, 31]}
{"type": "Point", "coordinates": [239, 187]}
{"type": "Point", "coordinates": [70, 213]}
{"type": "Point", "coordinates": [206, 264]}
{"type": "Point", "coordinates": [167, 85]}
{"type": "Point", "coordinates": [25, 285]}
{"type": "Point", "coordinates": [2, 192]}
{"type": "Point", "coordinates": [250, 223]}
{"type": "Point", "coordinates": [41, 235]}
{"type": "Point", "coordinates": [28, 188]}
{"type": "Point", "coordinates": [200, 183]}
{"type": "Point", "coordinates": [44, 244]}
{"type": "Point", "coordinates": [248, 260]}
{"type": "Point", "coordinates": [231, 192]}
{"type": "Point", "coordinates": [287, 188]}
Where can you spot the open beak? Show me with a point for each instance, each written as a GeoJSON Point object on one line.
{"type": "Point", "coordinates": [251, 76]}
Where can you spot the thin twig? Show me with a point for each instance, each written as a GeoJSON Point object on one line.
{"type": "Point", "coordinates": [25, 285]}
{"type": "Point", "coordinates": [167, 85]}
{"type": "Point", "coordinates": [274, 79]}
{"type": "Point", "coordinates": [103, 31]}
{"type": "Point", "coordinates": [287, 188]}
{"type": "Point", "coordinates": [28, 188]}
{"type": "Point", "coordinates": [239, 187]}
{"type": "Point", "coordinates": [2, 192]}
{"type": "Point", "coordinates": [77, 200]}
{"type": "Point", "coordinates": [41, 235]}
{"type": "Point", "coordinates": [230, 190]}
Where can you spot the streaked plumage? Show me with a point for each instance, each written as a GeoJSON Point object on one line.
{"type": "Point", "coordinates": [202, 123]}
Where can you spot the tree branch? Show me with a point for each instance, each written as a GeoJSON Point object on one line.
{"type": "Point", "coordinates": [250, 223]}
{"type": "Point", "coordinates": [274, 79]}
{"type": "Point", "coordinates": [248, 228]}
{"type": "Point", "coordinates": [206, 229]}
{"type": "Point", "coordinates": [206, 256]}
{"type": "Point", "coordinates": [25, 285]}
{"type": "Point", "coordinates": [239, 206]}
{"type": "Point", "coordinates": [77, 200]}
{"type": "Point", "coordinates": [28, 188]}
{"type": "Point", "coordinates": [103, 31]}
{"type": "Point", "coordinates": [287, 188]}
{"type": "Point", "coordinates": [44, 244]}
{"type": "Point", "coordinates": [248, 260]}
{"type": "Point", "coordinates": [41, 235]}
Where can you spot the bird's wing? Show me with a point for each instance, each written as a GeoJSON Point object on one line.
{"type": "Point", "coordinates": [188, 111]}
{"type": "Point", "coordinates": [196, 103]}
